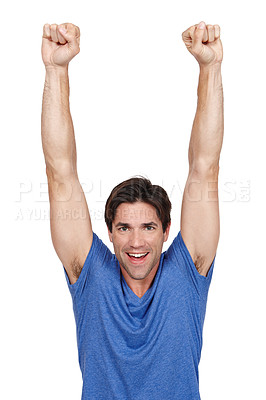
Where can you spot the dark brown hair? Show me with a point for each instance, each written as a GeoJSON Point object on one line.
{"type": "Point", "coordinates": [138, 189]}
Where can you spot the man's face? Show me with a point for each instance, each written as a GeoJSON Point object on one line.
{"type": "Point", "coordinates": [138, 238]}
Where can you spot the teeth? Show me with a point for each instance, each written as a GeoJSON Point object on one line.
{"type": "Point", "coordinates": [137, 255]}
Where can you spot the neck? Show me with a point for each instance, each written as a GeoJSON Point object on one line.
{"type": "Point", "coordinates": [140, 286]}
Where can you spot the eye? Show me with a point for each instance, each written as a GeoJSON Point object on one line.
{"type": "Point", "coordinates": [149, 228]}
{"type": "Point", "coordinates": [123, 228]}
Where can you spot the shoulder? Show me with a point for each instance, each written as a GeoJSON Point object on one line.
{"type": "Point", "coordinates": [173, 251]}
{"type": "Point", "coordinates": [179, 255]}
{"type": "Point", "coordinates": [99, 251]}
{"type": "Point", "coordinates": [98, 256]}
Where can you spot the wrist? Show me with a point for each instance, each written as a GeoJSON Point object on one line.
{"type": "Point", "coordinates": [211, 68]}
{"type": "Point", "coordinates": [56, 70]}
{"type": "Point", "coordinates": [57, 79]}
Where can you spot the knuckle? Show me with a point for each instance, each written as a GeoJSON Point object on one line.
{"type": "Point", "coordinates": [70, 27]}
{"type": "Point", "coordinates": [46, 29]}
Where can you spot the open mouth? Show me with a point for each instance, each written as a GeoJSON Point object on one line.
{"type": "Point", "coordinates": [137, 257]}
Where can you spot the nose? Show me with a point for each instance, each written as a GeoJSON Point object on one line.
{"type": "Point", "coordinates": [136, 239]}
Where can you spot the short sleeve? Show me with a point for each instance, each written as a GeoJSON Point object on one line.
{"type": "Point", "coordinates": [185, 264]}
{"type": "Point", "coordinates": [95, 257]}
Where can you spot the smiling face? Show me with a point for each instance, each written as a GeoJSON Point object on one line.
{"type": "Point", "coordinates": [138, 238]}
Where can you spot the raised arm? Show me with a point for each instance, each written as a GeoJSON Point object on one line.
{"type": "Point", "coordinates": [69, 215]}
{"type": "Point", "coordinates": [200, 227]}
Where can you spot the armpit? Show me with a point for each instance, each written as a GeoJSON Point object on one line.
{"type": "Point", "coordinates": [76, 268]}
{"type": "Point", "coordinates": [200, 264]}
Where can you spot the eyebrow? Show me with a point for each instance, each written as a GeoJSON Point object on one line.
{"type": "Point", "coordinates": [121, 224]}
{"type": "Point", "coordinates": [150, 224]}
{"type": "Point", "coordinates": [128, 225]}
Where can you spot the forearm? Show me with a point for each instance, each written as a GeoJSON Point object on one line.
{"type": "Point", "coordinates": [208, 127]}
{"type": "Point", "coordinates": [58, 138]}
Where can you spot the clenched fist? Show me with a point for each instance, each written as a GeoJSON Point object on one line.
{"type": "Point", "coordinates": [60, 43]}
{"type": "Point", "coordinates": [203, 41]}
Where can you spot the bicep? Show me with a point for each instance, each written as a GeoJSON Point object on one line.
{"type": "Point", "coordinates": [200, 224]}
{"type": "Point", "coordinates": [70, 222]}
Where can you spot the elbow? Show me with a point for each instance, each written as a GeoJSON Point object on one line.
{"type": "Point", "coordinates": [60, 170]}
{"type": "Point", "coordinates": [205, 166]}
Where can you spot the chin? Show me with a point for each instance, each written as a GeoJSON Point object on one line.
{"type": "Point", "coordinates": [137, 275]}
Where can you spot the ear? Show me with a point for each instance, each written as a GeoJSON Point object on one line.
{"type": "Point", "coordinates": [110, 235]}
{"type": "Point", "coordinates": [166, 233]}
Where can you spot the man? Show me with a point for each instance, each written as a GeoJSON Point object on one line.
{"type": "Point", "coordinates": [139, 313]}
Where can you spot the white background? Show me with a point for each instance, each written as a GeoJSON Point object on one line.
{"type": "Point", "coordinates": [133, 99]}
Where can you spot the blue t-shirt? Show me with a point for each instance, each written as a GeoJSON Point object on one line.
{"type": "Point", "coordinates": [146, 348]}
